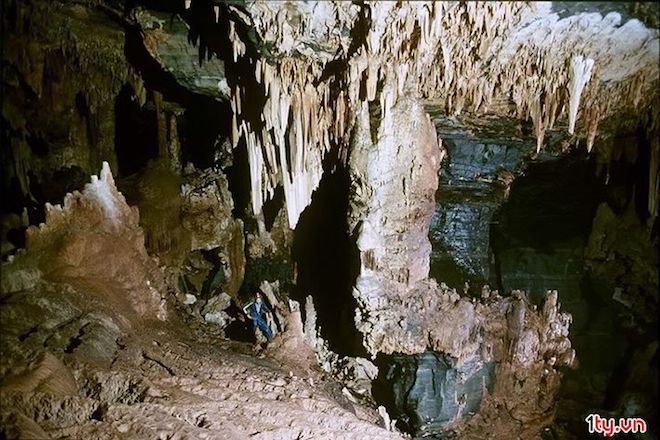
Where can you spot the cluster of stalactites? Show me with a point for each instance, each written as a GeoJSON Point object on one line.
{"type": "Point", "coordinates": [466, 56]}
{"type": "Point", "coordinates": [298, 119]}
{"type": "Point", "coordinates": [297, 126]}
{"type": "Point", "coordinates": [460, 42]}
{"type": "Point", "coordinates": [287, 24]}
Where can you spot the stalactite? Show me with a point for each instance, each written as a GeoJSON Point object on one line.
{"type": "Point", "coordinates": [592, 129]}
{"type": "Point", "coordinates": [161, 127]}
{"type": "Point", "coordinates": [654, 180]}
{"type": "Point", "coordinates": [255, 158]}
{"type": "Point", "coordinates": [238, 47]}
{"type": "Point", "coordinates": [580, 76]}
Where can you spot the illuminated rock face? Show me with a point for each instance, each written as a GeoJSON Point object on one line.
{"type": "Point", "coordinates": [394, 180]}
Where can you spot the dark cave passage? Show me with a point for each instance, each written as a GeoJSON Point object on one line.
{"type": "Point", "coordinates": [136, 137]}
{"type": "Point", "coordinates": [238, 176]}
{"type": "Point", "coordinates": [538, 235]}
{"type": "Point", "coordinates": [327, 263]}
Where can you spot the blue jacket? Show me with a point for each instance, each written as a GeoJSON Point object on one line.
{"type": "Point", "coordinates": [251, 310]}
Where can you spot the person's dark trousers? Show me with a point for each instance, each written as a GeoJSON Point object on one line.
{"type": "Point", "coordinates": [263, 326]}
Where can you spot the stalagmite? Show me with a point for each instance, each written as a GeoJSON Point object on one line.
{"type": "Point", "coordinates": [103, 191]}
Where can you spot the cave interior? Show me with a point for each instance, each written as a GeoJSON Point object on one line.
{"type": "Point", "coordinates": [450, 210]}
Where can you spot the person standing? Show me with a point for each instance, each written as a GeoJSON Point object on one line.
{"type": "Point", "coordinates": [260, 315]}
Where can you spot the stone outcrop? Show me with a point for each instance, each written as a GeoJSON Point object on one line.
{"type": "Point", "coordinates": [214, 310]}
{"type": "Point", "coordinates": [430, 393]}
{"type": "Point", "coordinates": [166, 39]}
{"type": "Point", "coordinates": [206, 214]}
{"type": "Point", "coordinates": [474, 180]}
{"type": "Point", "coordinates": [401, 311]}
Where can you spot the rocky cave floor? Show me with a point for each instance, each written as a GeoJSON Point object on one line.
{"type": "Point", "coordinates": [170, 383]}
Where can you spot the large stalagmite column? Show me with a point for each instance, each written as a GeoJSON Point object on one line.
{"type": "Point", "coordinates": [394, 181]}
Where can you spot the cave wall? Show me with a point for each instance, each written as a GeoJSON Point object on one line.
{"type": "Point", "coordinates": [59, 87]}
{"type": "Point", "coordinates": [74, 98]}
{"type": "Point", "coordinates": [558, 214]}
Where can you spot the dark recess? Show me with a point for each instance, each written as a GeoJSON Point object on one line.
{"type": "Point", "coordinates": [551, 202]}
{"type": "Point", "coordinates": [238, 178]}
{"type": "Point", "coordinates": [272, 207]}
{"type": "Point", "coordinates": [206, 121]}
{"type": "Point", "coordinates": [136, 133]}
{"type": "Point", "coordinates": [327, 263]}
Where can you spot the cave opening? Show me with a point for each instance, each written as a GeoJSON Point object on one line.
{"type": "Point", "coordinates": [204, 134]}
{"type": "Point", "coordinates": [538, 235]}
{"type": "Point", "coordinates": [238, 179]}
{"type": "Point", "coordinates": [273, 206]}
{"type": "Point", "coordinates": [327, 262]}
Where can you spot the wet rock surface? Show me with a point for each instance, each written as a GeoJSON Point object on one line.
{"type": "Point", "coordinates": [475, 180]}
{"type": "Point", "coordinates": [430, 392]}
{"type": "Point", "coordinates": [460, 235]}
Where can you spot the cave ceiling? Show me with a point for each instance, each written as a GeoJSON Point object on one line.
{"type": "Point", "coordinates": [471, 62]}
{"type": "Point", "coordinates": [548, 76]}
